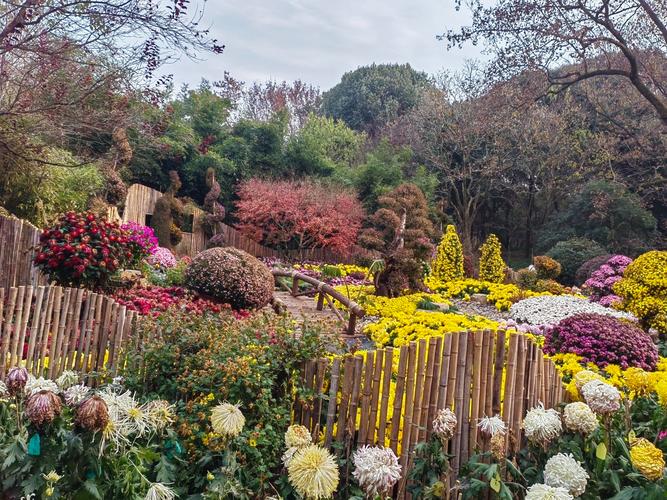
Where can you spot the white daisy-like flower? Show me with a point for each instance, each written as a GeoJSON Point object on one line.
{"type": "Point", "coordinates": [579, 417]}
{"type": "Point", "coordinates": [159, 413]}
{"type": "Point", "coordinates": [541, 426]}
{"type": "Point", "coordinates": [159, 491]}
{"type": "Point", "coordinates": [297, 436]}
{"type": "Point", "coordinates": [75, 394]}
{"type": "Point", "coordinates": [3, 390]}
{"type": "Point", "coordinates": [546, 492]}
{"type": "Point", "coordinates": [227, 420]}
{"type": "Point", "coordinates": [563, 471]}
{"type": "Point", "coordinates": [35, 385]}
{"type": "Point", "coordinates": [492, 425]}
{"type": "Point", "coordinates": [313, 472]}
{"type": "Point", "coordinates": [444, 424]}
{"type": "Point", "coordinates": [550, 309]}
{"type": "Point", "coordinates": [376, 469]}
{"type": "Point", "coordinates": [601, 397]}
{"type": "Point", "coordinates": [287, 456]}
{"type": "Point", "coordinates": [67, 379]}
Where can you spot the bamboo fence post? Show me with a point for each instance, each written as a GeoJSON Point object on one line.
{"type": "Point", "coordinates": [435, 387]}
{"type": "Point", "coordinates": [519, 389]}
{"type": "Point", "coordinates": [476, 386]}
{"type": "Point", "coordinates": [424, 422]}
{"type": "Point", "coordinates": [364, 423]}
{"type": "Point", "coordinates": [3, 361]}
{"type": "Point", "coordinates": [304, 407]}
{"type": "Point", "coordinates": [489, 337]}
{"type": "Point", "coordinates": [467, 378]}
{"type": "Point", "coordinates": [34, 327]}
{"type": "Point", "coordinates": [24, 323]}
{"type": "Point", "coordinates": [348, 375]}
{"type": "Point", "coordinates": [460, 411]}
{"type": "Point", "coordinates": [386, 389]}
{"type": "Point", "coordinates": [375, 396]}
{"type": "Point", "coordinates": [354, 402]}
{"type": "Point", "coordinates": [498, 366]}
{"type": "Point", "coordinates": [419, 393]}
{"type": "Point", "coordinates": [14, 360]}
{"type": "Point", "coordinates": [453, 369]}
{"type": "Point", "coordinates": [407, 412]}
{"type": "Point", "coordinates": [398, 397]}
{"type": "Point", "coordinates": [331, 407]}
{"type": "Point", "coordinates": [60, 325]}
{"type": "Point", "coordinates": [444, 371]}
{"type": "Point", "coordinates": [322, 365]}
{"type": "Point", "coordinates": [51, 329]}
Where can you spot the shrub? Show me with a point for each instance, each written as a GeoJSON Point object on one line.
{"type": "Point", "coordinates": [491, 263]}
{"type": "Point", "coordinates": [231, 275]}
{"type": "Point", "coordinates": [551, 286]}
{"type": "Point", "coordinates": [546, 267]}
{"type": "Point", "coordinates": [602, 340]}
{"type": "Point", "coordinates": [161, 258]}
{"type": "Point", "coordinates": [603, 279]}
{"type": "Point", "coordinates": [82, 250]}
{"type": "Point", "coordinates": [141, 241]}
{"type": "Point", "coordinates": [573, 253]}
{"type": "Point", "coordinates": [155, 299]}
{"type": "Point", "coordinates": [449, 262]}
{"type": "Point", "coordinates": [644, 289]}
{"type": "Point", "coordinates": [587, 268]}
{"type": "Point", "coordinates": [526, 278]}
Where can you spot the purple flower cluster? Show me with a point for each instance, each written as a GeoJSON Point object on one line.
{"type": "Point", "coordinates": [162, 258]}
{"type": "Point", "coordinates": [142, 237]}
{"type": "Point", "coordinates": [602, 340]}
{"type": "Point", "coordinates": [603, 279]}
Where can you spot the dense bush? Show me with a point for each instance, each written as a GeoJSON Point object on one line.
{"type": "Point", "coordinates": [141, 241]}
{"type": "Point", "coordinates": [587, 268]}
{"type": "Point", "coordinates": [155, 299]}
{"type": "Point", "coordinates": [546, 267]}
{"type": "Point", "coordinates": [602, 340]}
{"type": "Point", "coordinates": [231, 275]}
{"type": "Point", "coordinates": [82, 250]}
{"type": "Point", "coordinates": [603, 279]}
{"type": "Point", "coordinates": [526, 278]}
{"type": "Point", "coordinates": [491, 263]}
{"type": "Point", "coordinates": [644, 289]}
{"type": "Point", "coordinates": [449, 262]}
{"type": "Point", "coordinates": [162, 259]}
{"type": "Point", "coordinates": [572, 254]}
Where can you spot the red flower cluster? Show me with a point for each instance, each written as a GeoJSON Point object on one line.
{"type": "Point", "coordinates": [81, 249]}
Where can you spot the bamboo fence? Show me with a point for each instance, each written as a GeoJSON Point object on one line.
{"type": "Point", "coordinates": [390, 396]}
{"type": "Point", "coordinates": [17, 241]}
{"type": "Point", "coordinates": [49, 329]}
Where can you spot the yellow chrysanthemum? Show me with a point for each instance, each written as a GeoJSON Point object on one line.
{"type": "Point", "coordinates": [585, 376]}
{"type": "Point", "coordinates": [637, 381]}
{"type": "Point", "coordinates": [313, 472]}
{"type": "Point", "coordinates": [227, 420]}
{"type": "Point", "coordinates": [661, 391]}
{"type": "Point", "coordinates": [647, 459]}
{"type": "Point", "coordinates": [297, 436]}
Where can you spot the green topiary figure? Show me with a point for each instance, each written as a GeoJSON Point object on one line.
{"type": "Point", "coordinates": [491, 263]}
{"type": "Point", "coordinates": [448, 264]}
{"type": "Point", "coordinates": [168, 215]}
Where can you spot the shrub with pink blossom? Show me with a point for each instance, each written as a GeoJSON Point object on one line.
{"type": "Point", "coordinates": [603, 279]}
{"type": "Point", "coordinates": [162, 258]}
{"type": "Point", "coordinates": [602, 340]}
{"type": "Point", "coordinates": [141, 240]}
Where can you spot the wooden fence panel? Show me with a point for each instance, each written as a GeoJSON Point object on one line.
{"type": "Point", "coordinates": [17, 242]}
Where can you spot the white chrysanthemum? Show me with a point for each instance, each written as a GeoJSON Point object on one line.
{"type": "Point", "coordinates": [3, 389]}
{"type": "Point", "coordinates": [492, 425]}
{"type": "Point", "coordinates": [601, 397]}
{"type": "Point", "coordinates": [444, 424]}
{"type": "Point", "coordinates": [550, 309]}
{"type": "Point", "coordinates": [136, 420]}
{"type": "Point", "coordinates": [126, 417]}
{"type": "Point", "coordinates": [563, 471]}
{"type": "Point", "coordinates": [227, 420]}
{"type": "Point", "coordinates": [67, 379]}
{"type": "Point", "coordinates": [376, 469]}
{"type": "Point", "coordinates": [541, 426]}
{"type": "Point", "coordinates": [75, 394]}
{"type": "Point", "coordinates": [159, 491]}
{"type": "Point", "coordinates": [313, 472]}
{"type": "Point", "coordinates": [579, 417]}
{"type": "Point", "coordinates": [159, 414]}
{"type": "Point", "coordinates": [287, 456]}
{"type": "Point", "coordinates": [35, 385]}
{"type": "Point", "coordinates": [297, 436]}
{"type": "Point", "coordinates": [546, 492]}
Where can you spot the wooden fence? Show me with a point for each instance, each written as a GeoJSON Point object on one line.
{"type": "Point", "coordinates": [17, 241]}
{"type": "Point", "coordinates": [377, 399]}
{"type": "Point", "coordinates": [51, 329]}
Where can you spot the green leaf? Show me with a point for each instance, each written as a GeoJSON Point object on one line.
{"type": "Point", "coordinates": [601, 451]}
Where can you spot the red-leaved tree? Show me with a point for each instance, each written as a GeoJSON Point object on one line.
{"type": "Point", "coordinates": [298, 215]}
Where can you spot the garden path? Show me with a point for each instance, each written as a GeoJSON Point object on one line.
{"type": "Point", "coordinates": [304, 306]}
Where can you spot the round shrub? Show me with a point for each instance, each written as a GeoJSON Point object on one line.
{"type": "Point", "coordinates": [546, 267]}
{"type": "Point", "coordinates": [605, 277]}
{"type": "Point", "coordinates": [231, 275]}
{"type": "Point", "coordinates": [526, 278]}
{"type": "Point", "coordinates": [602, 340]}
{"type": "Point", "coordinates": [644, 289]}
{"type": "Point", "coordinates": [162, 259]}
{"type": "Point", "coordinates": [141, 241]}
{"type": "Point", "coordinates": [572, 254]}
{"type": "Point", "coordinates": [591, 265]}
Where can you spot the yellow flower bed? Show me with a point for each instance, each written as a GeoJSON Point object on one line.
{"type": "Point", "coordinates": [343, 269]}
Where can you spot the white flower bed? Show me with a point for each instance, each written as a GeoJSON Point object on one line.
{"type": "Point", "coordinates": [550, 309]}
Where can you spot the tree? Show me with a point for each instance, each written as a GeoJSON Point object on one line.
{"type": "Point", "coordinates": [370, 97]}
{"type": "Point", "coordinates": [298, 215]}
{"type": "Point", "coordinates": [570, 41]}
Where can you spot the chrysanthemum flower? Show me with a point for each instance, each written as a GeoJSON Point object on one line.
{"type": "Point", "coordinates": [35, 385]}
{"type": "Point", "coordinates": [3, 390]}
{"type": "Point", "coordinates": [647, 459]}
{"type": "Point", "coordinates": [563, 471]}
{"type": "Point", "coordinates": [67, 379]}
{"type": "Point", "coordinates": [52, 477]}
{"type": "Point", "coordinates": [376, 469]}
{"type": "Point", "coordinates": [159, 414]}
{"type": "Point", "coordinates": [601, 397]}
{"type": "Point", "coordinates": [490, 426]}
{"type": "Point", "coordinates": [92, 414]}
{"type": "Point", "coordinates": [288, 455]}
{"type": "Point", "coordinates": [313, 473]}
{"type": "Point", "coordinates": [546, 492]}
{"type": "Point", "coordinates": [444, 424]}
{"type": "Point", "coordinates": [497, 445]}
{"type": "Point", "coordinates": [578, 417]}
{"type": "Point", "coordinates": [227, 420]}
{"type": "Point", "coordinates": [17, 378]}
{"type": "Point", "coordinates": [159, 491]}
{"type": "Point", "coordinates": [42, 408]}
{"type": "Point", "coordinates": [542, 426]}
{"type": "Point", "coordinates": [584, 376]}
{"type": "Point", "coordinates": [75, 394]}
{"type": "Point", "coordinates": [297, 436]}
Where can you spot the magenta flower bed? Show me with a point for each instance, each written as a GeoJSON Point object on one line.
{"type": "Point", "coordinates": [603, 279]}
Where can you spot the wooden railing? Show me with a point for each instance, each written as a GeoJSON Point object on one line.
{"type": "Point", "coordinates": [324, 293]}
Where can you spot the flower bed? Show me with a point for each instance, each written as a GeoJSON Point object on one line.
{"type": "Point", "coordinates": [549, 310]}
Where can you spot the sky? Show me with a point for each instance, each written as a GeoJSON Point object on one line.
{"type": "Point", "coordinates": [319, 40]}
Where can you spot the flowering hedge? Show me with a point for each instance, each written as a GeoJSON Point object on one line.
{"type": "Point", "coordinates": [605, 277]}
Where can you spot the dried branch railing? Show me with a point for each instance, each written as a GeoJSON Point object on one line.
{"type": "Point", "coordinates": [324, 293]}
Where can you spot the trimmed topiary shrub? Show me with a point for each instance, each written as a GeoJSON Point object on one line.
{"type": "Point", "coordinates": [602, 340]}
{"type": "Point", "coordinates": [449, 264]}
{"type": "Point", "coordinates": [644, 289]}
{"type": "Point", "coordinates": [526, 278]}
{"type": "Point", "coordinates": [573, 253]}
{"type": "Point", "coordinates": [546, 267]}
{"type": "Point", "coordinates": [591, 265]}
{"type": "Point", "coordinates": [603, 279]}
{"type": "Point", "coordinates": [231, 275]}
{"type": "Point", "coordinates": [491, 263]}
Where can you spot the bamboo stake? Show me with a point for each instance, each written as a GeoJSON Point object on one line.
{"type": "Point", "coordinates": [477, 369]}
{"type": "Point", "coordinates": [57, 342]}
{"type": "Point", "coordinates": [398, 398]}
{"type": "Point", "coordinates": [467, 377]}
{"type": "Point", "coordinates": [444, 371]}
{"type": "Point", "coordinates": [460, 411]}
{"type": "Point", "coordinates": [34, 327]}
{"type": "Point", "coordinates": [419, 393]}
{"type": "Point", "coordinates": [407, 413]}
{"type": "Point", "coordinates": [345, 399]}
{"type": "Point", "coordinates": [51, 330]}
{"type": "Point", "coordinates": [24, 323]}
{"type": "Point", "coordinates": [14, 359]}
{"type": "Point", "coordinates": [2, 320]}
{"type": "Point", "coordinates": [453, 364]}
{"type": "Point", "coordinates": [322, 365]}
{"type": "Point", "coordinates": [424, 422]}
{"type": "Point", "coordinates": [375, 396]}
{"type": "Point", "coordinates": [518, 409]}
{"type": "Point", "coordinates": [498, 365]}
{"type": "Point", "coordinates": [43, 330]}
{"type": "Point", "coordinates": [435, 387]}
{"type": "Point", "coordinates": [364, 423]}
{"type": "Point", "coordinates": [489, 337]}
{"type": "Point", "coordinates": [386, 390]}
{"type": "Point", "coordinates": [354, 402]}
{"type": "Point", "coordinates": [331, 408]}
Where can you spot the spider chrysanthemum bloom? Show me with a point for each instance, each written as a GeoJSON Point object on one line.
{"type": "Point", "coordinates": [159, 491]}
{"type": "Point", "coordinates": [92, 414]}
{"type": "Point", "coordinates": [3, 390]}
{"type": "Point", "coordinates": [546, 492]}
{"type": "Point", "coordinates": [647, 459]}
{"type": "Point", "coordinates": [376, 469]}
{"type": "Point", "coordinates": [67, 379]}
{"type": "Point", "coordinates": [490, 426]}
{"type": "Point", "coordinates": [227, 420]}
{"type": "Point", "coordinates": [542, 426]}
{"type": "Point", "coordinates": [578, 417]}
{"type": "Point", "coordinates": [17, 378]}
{"type": "Point", "coordinates": [35, 385]}
{"type": "Point", "coordinates": [313, 472]}
{"type": "Point", "coordinates": [297, 436]}
{"type": "Point", "coordinates": [563, 471]}
{"type": "Point", "coordinates": [42, 408]}
{"type": "Point", "coordinates": [160, 414]}
{"type": "Point", "coordinates": [601, 397]}
{"type": "Point", "coordinates": [75, 394]}
{"type": "Point", "coordinates": [444, 424]}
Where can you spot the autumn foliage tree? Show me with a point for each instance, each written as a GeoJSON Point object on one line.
{"type": "Point", "coordinates": [298, 215]}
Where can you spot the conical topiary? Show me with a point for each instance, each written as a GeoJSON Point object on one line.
{"type": "Point", "coordinates": [491, 263]}
{"type": "Point", "coordinates": [448, 264]}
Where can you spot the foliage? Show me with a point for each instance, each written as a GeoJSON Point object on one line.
{"type": "Point", "coordinates": [168, 214]}
{"type": "Point", "coordinates": [82, 250]}
{"type": "Point", "coordinates": [232, 276]}
{"type": "Point", "coordinates": [298, 215]}
{"type": "Point", "coordinates": [572, 253]}
{"type": "Point", "coordinates": [603, 279]}
{"type": "Point", "coordinates": [160, 275]}
{"type": "Point", "coordinates": [526, 278]}
{"type": "Point", "coordinates": [602, 340]}
{"type": "Point", "coordinates": [141, 241]}
{"type": "Point", "coordinates": [644, 289]}
{"type": "Point", "coordinates": [448, 263]}
{"type": "Point", "coordinates": [491, 263]}
{"type": "Point", "coordinates": [431, 463]}
{"type": "Point", "coordinates": [587, 268]}
{"type": "Point", "coordinates": [546, 267]}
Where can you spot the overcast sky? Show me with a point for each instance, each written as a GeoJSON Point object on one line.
{"type": "Point", "coordinates": [319, 40]}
